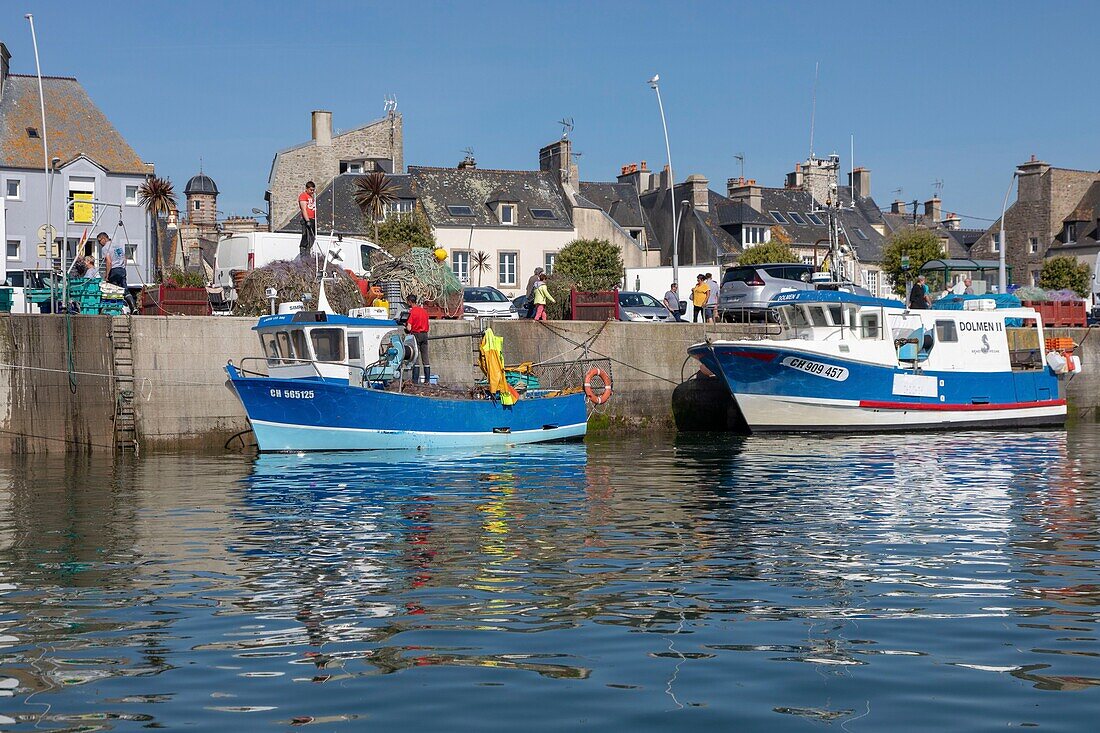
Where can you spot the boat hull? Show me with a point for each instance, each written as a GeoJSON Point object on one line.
{"type": "Point", "coordinates": [779, 388]}
{"type": "Point", "coordinates": [313, 415]}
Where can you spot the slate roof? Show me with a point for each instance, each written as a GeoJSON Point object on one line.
{"type": "Point", "coordinates": [438, 188]}
{"type": "Point", "coordinates": [76, 127]}
{"type": "Point", "coordinates": [435, 189]}
{"type": "Point", "coordinates": [201, 183]}
{"type": "Point", "coordinates": [702, 228]}
{"type": "Point", "coordinates": [1087, 214]}
{"type": "Point", "coordinates": [620, 201]}
{"type": "Point", "coordinates": [959, 241]}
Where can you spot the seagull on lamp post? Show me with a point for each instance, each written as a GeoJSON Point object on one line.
{"type": "Point", "coordinates": [655, 86]}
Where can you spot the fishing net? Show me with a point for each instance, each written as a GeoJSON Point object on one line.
{"type": "Point", "coordinates": [293, 278]}
{"type": "Point", "coordinates": [418, 272]}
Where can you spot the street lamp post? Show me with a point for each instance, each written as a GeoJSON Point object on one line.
{"type": "Point", "coordinates": [653, 84]}
{"type": "Point", "coordinates": [1002, 276]}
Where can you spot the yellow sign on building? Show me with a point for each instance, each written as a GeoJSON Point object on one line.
{"type": "Point", "coordinates": [83, 213]}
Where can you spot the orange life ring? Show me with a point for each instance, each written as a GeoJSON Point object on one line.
{"type": "Point", "coordinates": [605, 394]}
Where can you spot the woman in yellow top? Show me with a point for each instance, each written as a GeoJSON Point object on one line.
{"type": "Point", "coordinates": [699, 295]}
{"type": "Point", "coordinates": [542, 297]}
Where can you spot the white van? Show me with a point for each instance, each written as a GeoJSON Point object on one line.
{"type": "Point", "coordinates": [256, 249]}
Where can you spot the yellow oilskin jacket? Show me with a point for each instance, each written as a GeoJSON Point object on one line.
{"type": "Point", "coordinates": [492, 363]}
{"type": "Point", "coordinates": [542, 295]}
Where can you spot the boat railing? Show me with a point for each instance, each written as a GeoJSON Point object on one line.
{"type": "Point", "coordinates": [286, 361]}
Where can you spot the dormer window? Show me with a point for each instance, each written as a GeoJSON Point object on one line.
{"type": "Point", "coordinates": [507, 214]}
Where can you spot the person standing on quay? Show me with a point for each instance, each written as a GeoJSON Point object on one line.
{"type": "Point", "coordinates": [307, 205]}
{"type": "Point", "coordinates": [417, 325]}
{"type": "Point", "coordinates": [532, 283]}
{"type": "Point", "coordinates": [712, 298]}
{"type": "Point", "coordinates": [542, 298]}
{"type": "Point", "coordinates": [672, 302]}
{"type": "Point", "coordinates": [919, 299]}
{"type": "Point", "coordinates": [699, 295]}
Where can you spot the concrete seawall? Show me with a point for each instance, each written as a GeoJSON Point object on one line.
{"type": "Point", "coordinates": [181, 401]}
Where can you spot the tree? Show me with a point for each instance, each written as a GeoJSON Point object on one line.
{"type": "Point", "coordinates": [773, 251]}
{"type": "Point", "coordinates": [921, 246]}
{"type": "Point", "coordinates": [1066, 273]}
{"type": "Point", "coordinates": [372, 194]}
{"type": "Point", "coordinates": [400, 232]}
{"type": "Point", "coordinates": [590, 264]}
{"type": "Point", "coordinates": [481, 262]}
{"type": "Point", "coordinates": [158, 197]}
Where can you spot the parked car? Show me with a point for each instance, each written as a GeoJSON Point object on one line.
{"type": "Point", "coordinates": [636, 307]}
{"type": "Point", "coordinates": [520, 302]}
{"type": "Point", "coordinates": [486, 302]}
{"type": "Point", "coordinates": [746, 290]}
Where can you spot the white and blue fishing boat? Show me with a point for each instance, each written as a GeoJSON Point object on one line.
{"type": "Point", "coordinates": [843, 362]}
{"type": "Point", "coordinates": [334, 382]}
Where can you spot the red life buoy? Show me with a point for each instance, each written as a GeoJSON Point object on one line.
{"type": "Point", "coordinates": [605, 393]}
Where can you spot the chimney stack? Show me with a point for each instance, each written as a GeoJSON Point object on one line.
{"type": "Point", "coordinates": [638, 175]}
{"type": "Point", "coordinates": [700, 192]}
{"type": "Point", "coordinates": [322, 128]}
{"type": "Point", "coordinates": [898, 207]}
{"type": "Point", "coordinates": [932, 208]}
{"type": "Point", "coordinates": [746, 191]}
{"type": "Point", "coordinates": [5, 66]}
{"type": "Point", "coordinates": [860, 182]}
{"type": "Point", "coordinates": [558, 156]}
{"type": "Point", "coordinates": [952, 221]}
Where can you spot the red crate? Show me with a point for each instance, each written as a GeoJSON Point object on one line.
{"type": "Point", "coordinates": [168, 300]}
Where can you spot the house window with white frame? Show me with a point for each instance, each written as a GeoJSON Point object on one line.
{"type": "Point", "coordinates": [995, 243]}
{"type": "Point", "coordinates": [507, 213]}
{"type": "Point", "coordinates": [1071, 232]}
{"type": "Point", "coordinates": [548, 261]}
{"type": "Point", "coordinates": [399, 206]}
{"type": "Point", "coordinates": [13, 189]}
{"type": "Point", "coordinates": [754, 235]}
{"type": "Point", "coordinates": [460, 265]}
{"type": "Point", "coordinates": [131, 195]}
{"type": "Point", "coordinates": [870, 281]}
{"type": "Point", "coordinates": [507, 266]}
{"type": "Point", "coordinates": [1032, 245]}
{"type": "Point", "coordinates": [131, 252]}
{"type": "Point", "coordinates": [13, 249]}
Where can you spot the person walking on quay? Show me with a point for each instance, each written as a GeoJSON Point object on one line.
{"type": "Point", "coordinates": [542, 298]}
{"type": "Point", "coordinates": [699, 295]}
{"type": "Point", "coordinates": [532, 283]}
{"type": "Point", "coordinates": [307, 205]}
{"type": "Point", "coordinates": [672, 302]}
{"type": "Point", "coordinates": [417, 325]}
{"type": "Point", "coordinates": [712, 298]}
{"type": "Point", "coordinates": [919, 298]}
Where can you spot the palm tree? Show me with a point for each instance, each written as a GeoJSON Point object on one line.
{"type": "Point", "coordinates": [481, 264]}
{"type": "Point", "coordinates": [373, 193]}
{"type": "Point", "coordinates": [158, 197]}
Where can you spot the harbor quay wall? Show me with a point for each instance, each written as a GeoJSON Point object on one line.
{"type": "Point", "coordinates": [181, 401]}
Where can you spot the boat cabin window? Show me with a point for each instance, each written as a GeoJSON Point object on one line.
{"type": "Point", "coordinates": [1024, 350]}
{"type": "Point", "coordinates": [869, 326]}
{"type": "Point", "coordinates": [796, 318]}
{"type": "Point", "coordinates": [271, 349]}
{"type": "Point", "coordinates": [328, 343]}
{"type": "Point", "coordinates": [282, 339]}
{"type": "Point", "coordinates": [836, 312]}
{"type": "Point", "coordinates": [817, 315]}
{"type": "Point", "coordinates": [354, 349]}
{"type": "Point", "coordinates": [298, 338]}
{"type": "Point", "coordinates": [946, 331]}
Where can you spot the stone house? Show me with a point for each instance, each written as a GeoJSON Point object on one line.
{"type": "Point", "coordinates": [93, 181]}
{"type": "Point", "coordinates": [1080, 234]}
{"type": "Point", "coordinates": [1044, 217]}
{"type": "Point", "coordinates": [375, 146]}
{"type": "Point", "coordinates": [519, 219]}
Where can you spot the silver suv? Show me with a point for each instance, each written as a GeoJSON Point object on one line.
{"type": "Point", "coordinates": [749, 288]}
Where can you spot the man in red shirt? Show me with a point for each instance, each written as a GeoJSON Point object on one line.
{"type": "Point", "coordinates": [417, 325]}
{"type": "Point", "coordinates": [307, 205]}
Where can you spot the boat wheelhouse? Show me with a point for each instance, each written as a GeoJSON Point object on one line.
{"type": "Point", "coordinates": [844, 362]}
{"type": "Point", "coordinates": [333, 382]}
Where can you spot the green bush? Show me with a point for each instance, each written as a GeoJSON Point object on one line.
{"type": "Point", "coordinates": [1066, 273]}
{"type": "Point", "coordinates": [921, 246]}
{"type": "Point", "coordinates": [772, 251]}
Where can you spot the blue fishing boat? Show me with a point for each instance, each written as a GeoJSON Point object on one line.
{"type": "Point", "coordinates": [333, 382]}
{"type": "Point", "coordinates": [844, 362]}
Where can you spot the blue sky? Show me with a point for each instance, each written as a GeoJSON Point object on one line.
{"type": "Point", "coordinates": [958, 92]}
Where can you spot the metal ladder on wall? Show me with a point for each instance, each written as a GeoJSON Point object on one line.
{"type": "Point", "coordinates": [122, 358]}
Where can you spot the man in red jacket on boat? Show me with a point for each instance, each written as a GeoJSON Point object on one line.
{"type": "Point", "coordinates": [417, 325]}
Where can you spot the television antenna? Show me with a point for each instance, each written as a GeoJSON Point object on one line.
{"type": "Point", "coordinates": [389, 103]}
{"type": "Point", "coordinates": [897, 193]}
{"type": "Point", "coordinates": [938, 185]}
{"type": "Point", "coordinates": [566, 127]}
{"type": "Point", "coordinates": [740, 157]}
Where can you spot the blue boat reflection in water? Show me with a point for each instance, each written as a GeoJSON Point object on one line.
{"type": "Point", "coordinates": [764, 582]}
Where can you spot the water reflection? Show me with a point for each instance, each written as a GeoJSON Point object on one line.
{"type": "Point", "coordinates": [770, 581]}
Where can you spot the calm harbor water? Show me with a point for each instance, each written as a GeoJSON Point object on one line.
{"type": "Point", "coordinates": [945, 582]}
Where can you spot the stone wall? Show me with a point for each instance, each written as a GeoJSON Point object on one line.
{"type": "Point", "coordinates": [181, 401]}
{"type": "Point", "coordinates": [321, 163]}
